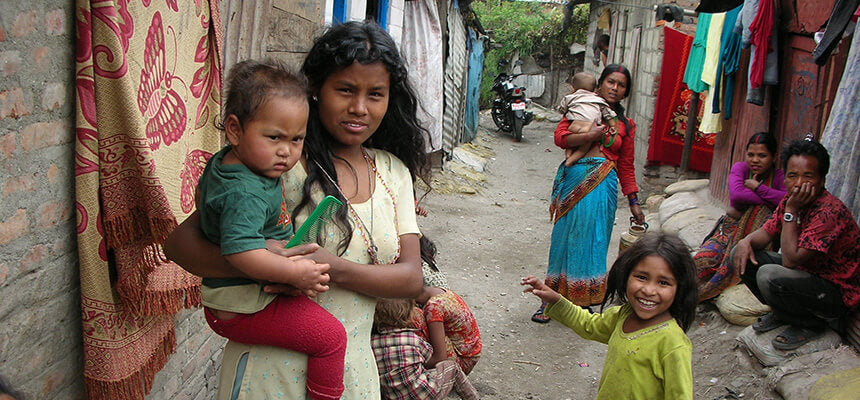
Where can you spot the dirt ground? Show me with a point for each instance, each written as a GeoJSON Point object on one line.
{"type": "Point", "coordinates": [487, 240]}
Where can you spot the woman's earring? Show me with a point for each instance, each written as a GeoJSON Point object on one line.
{"type": "Point", "coordinates": [314, 97]}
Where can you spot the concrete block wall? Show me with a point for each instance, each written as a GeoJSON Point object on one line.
{"type": "Point", "coordinates": [642, 99]}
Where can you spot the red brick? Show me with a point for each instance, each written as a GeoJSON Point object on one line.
{"type": "Point", "coordinates": [7, 145]}
{"type": "Point", "coordinates": [44, 134]}
{"type": "Point", "coordinates": [24, 24]}
{"type": "Point", "coordinates": [60, 247]}
{"type": "Point", "coordinates": [33, 257]}
{"type": "Point", "coordinates": [51, 214]}
{"type": "Point", "coordinates": [52, 173]}
{"type": "Point", "coordinates": [14, 227]}
{"type": "Point", "coordinates": [10, 62]}
{"type": "Point", "coordinates": [14, 103]}
{"type": "Point", "coordinates": [54, 96]}
{"type": "Point", "coordinates": [55, 22]}
{"type": "Point", "coordinates": [24, 183]}
{"type": "Point", "coordinates": [39, 54]}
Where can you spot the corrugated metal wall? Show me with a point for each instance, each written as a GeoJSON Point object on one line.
{"type": "Point", "coordinates": [456, 68]}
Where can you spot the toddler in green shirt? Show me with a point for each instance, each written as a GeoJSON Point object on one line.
{"type": "Point", "coordinates": [241, 204]}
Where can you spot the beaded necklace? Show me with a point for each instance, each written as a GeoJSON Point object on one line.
{"type": "Point", "coordinates": [367, 234]}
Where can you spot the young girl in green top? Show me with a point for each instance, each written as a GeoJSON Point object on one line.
{"type": "Point", "coordinates": [649, 354]}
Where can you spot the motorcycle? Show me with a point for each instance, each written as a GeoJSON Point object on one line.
{"type": "Point", "coordinates": [509, 107]}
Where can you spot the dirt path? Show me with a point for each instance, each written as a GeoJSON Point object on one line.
{"type": "Point", "coordinates": [488, 240]}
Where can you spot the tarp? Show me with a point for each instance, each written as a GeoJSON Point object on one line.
{"type": "Point", "coordinates": [840, 135]}
{"type": "Point", "coordinates": [473, 86]}
{"type": "Point", "coordinates": [422, 49]}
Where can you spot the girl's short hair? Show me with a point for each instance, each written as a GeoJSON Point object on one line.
{"type": "Point", "coordinates": [807, 147]}
{"type": "Point", "coordinates": [671, 249]}
{"type": "Point", "coordinates": [250, 83]}
{"type": "Point", "coordinates": [393, 313]}
{"type": "Point", "coordinates": [766, 139]}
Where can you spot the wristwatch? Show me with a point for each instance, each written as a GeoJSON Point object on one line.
{"type": "Point", "coordinates": [789, 217]}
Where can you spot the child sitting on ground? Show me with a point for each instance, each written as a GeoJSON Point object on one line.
{"type": "Point", "coordinates": [401, 356]}
{"type": "Point", "coordinates": [446, 321]}
{"type": "Point", "coordinates": [650, 356]}
{"type": "Point", "coordinates": [240, 201]}
{"type": "Point", "coordinates": [451, 328]}
{"type": "Point", "coordinates": [582, 108]}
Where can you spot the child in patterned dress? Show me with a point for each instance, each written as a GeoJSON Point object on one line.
{"type": "Point", "coordinates": [401, 356]}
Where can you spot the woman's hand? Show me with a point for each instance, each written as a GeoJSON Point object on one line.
{"type": "Point", "coordinates": [593, 134]}
{"type": "Point", "coordinates": [637, 213]}
{"type": "Point", "coordinates": [539, 289]}
{"type": "Point", "coordinates": [751, 184]}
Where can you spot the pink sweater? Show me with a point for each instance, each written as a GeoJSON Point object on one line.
{"type": "Point", "coordinates": [740, 197]}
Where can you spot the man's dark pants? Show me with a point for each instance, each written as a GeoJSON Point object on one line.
{"type": "Point", "coordinates": [797, 298]}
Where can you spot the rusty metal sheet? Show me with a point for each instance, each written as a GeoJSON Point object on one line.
{"type": "Point", "coordinates": [802, 91]}
{"type": "Point", "coordinates": [805, 16]}
{"type": "Point", "coordinates": [730, 145]}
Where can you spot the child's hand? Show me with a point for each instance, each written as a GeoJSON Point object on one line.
{"type": "Point", "coordinates": [539, 289]}
{"type": "Point", "coordinates": [277, 247]}
{"type": "Point", "coordinates": [309, 276]}
{"type": "Point", "coordinates": [568, 161]}
{"type": "Point", "coordinates": [421, 211]}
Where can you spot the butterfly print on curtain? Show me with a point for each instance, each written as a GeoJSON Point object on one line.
{"type": "Point", "coordinates": [157, 100]}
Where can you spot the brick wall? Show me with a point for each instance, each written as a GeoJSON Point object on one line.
{"type": "Point", "coordinates": [643, 95]}
{"type": "Point", "coordinates": [40, 327]}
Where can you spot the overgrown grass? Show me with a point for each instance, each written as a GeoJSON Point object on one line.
{"type": "Point", "coordinates": [526, 28]}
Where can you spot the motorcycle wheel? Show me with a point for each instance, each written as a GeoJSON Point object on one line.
{"type": "Point", "coordinates": [518, 129]}
{"type": "Point", "coordinates": [499, 117]}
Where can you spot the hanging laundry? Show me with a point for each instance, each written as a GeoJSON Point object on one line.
{"type": "Point", "coordinates": [730, 49]}
{"type": "Point", "coordinates": [711, 121]}
{"type": "Point", "coordinates": [696, 59]}
{"type": "Point", "coordinates": [761, 30]}
{"type": "Point", "coordinates": [842, 13]}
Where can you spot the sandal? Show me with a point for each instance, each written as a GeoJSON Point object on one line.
{"type": "Point", "coordinates": [539, 316]}
{"type": "Point", "coordinates": [767, 323]}
{"type": "Point", "coordinates": [793, 337]}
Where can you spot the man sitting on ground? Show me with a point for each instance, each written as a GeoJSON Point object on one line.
{"type": "Point", "coordinates": [816, 279]}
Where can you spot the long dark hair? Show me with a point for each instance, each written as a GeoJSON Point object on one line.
{"type": "Point", "coordinates": [617, 107]}
{"type": "Point", "coordinates": [671, 249]}
{"type": "Point", "coordinates": [399, 132]}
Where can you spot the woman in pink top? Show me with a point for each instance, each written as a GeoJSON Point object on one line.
{"type": "Point", "coordinates": [755, 189]}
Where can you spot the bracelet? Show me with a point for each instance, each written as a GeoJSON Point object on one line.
{"type": "Point", "coordinates": [757, 186]}
{"type": "Point", "coordinates": [633, 201]}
